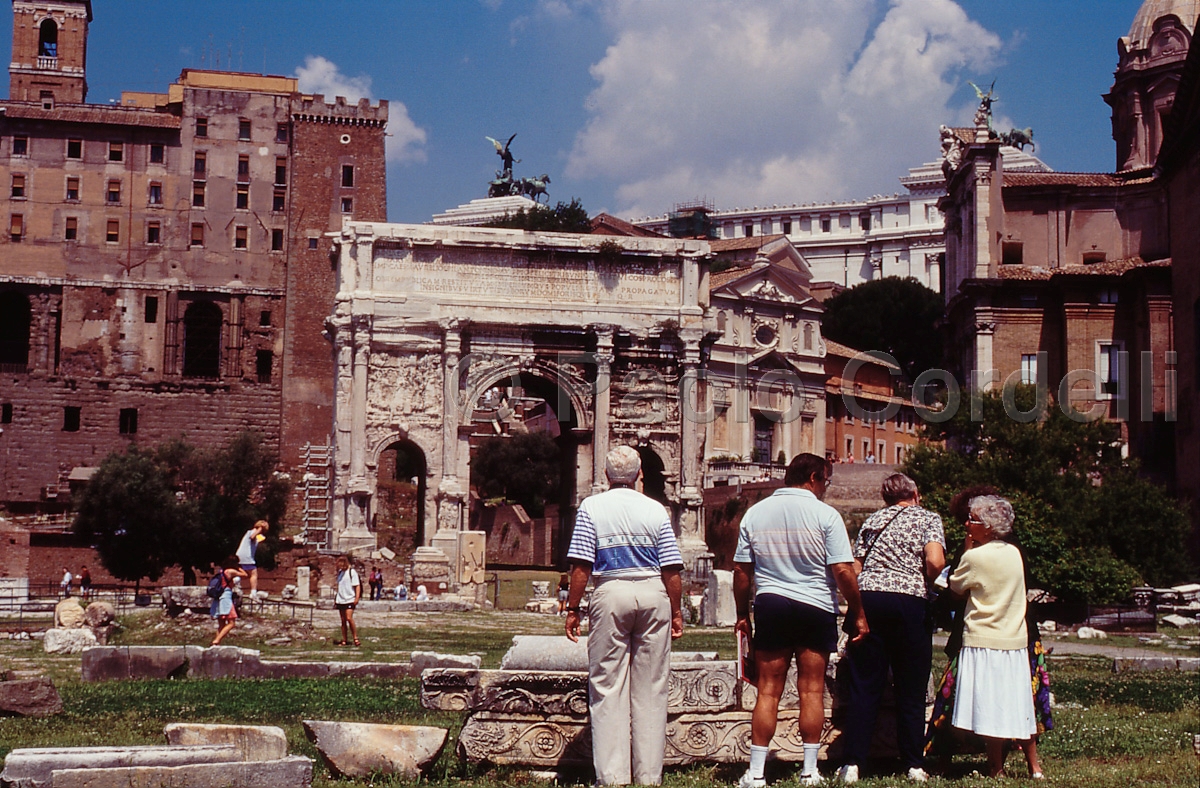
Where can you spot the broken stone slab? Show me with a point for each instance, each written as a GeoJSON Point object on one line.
{"type": "Point", "coordinates": [292, 771]}
{"type": "Point", "coordinates": [68, 641]}
{"type": "Point", "coordinates": [254, 742]}
{"type": "Point", "coordinates": [425, 660]}
{"type": "Point", "coordinates": [542, 606]}
{"type": "Point", "coordinates": [1090, 633]}
{"type": "Point", "coordinates": [1178, 621]}
{"type": "Point", "coordinates": [359, 749]}
{"type": "Point", "coordinates": [694, 656]}
{"type": "Point", "coordinates": [718, 608]}
{"type": "Point", "coordinates": [1149, 664]}
{"type": "Point", "coordinates": [31, 767]}
{"type": "Point", "coordinates": [99, 614]}
{"type": "Point", "coordinates": [68, 614]}
{"type": "Point", "coordinates": [35, 697]}
{"type": "Point", "coordinates": [545, 652]}
{"type": "Point", "coordinates": [178, 598]}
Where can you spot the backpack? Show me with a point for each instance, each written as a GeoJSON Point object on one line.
{"type": "Point", "coordinates": [216, 586]}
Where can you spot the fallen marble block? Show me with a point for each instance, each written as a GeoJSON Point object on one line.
{"type": "Point", "coordinates": [29, 698]}
{"type": "Point", "coordinates": [32, 767]}
{"type": "Point", "coordinates": [545, 652]}
{"type": "Point", "coordinates": [424, 660]}
{"type": "Point", "coordinates": [254, 742]}
{"type": "Point", "coordinates": [359, 749]}
{"type": "Point", "coordinates": [68, 641]}
{"type": "Point", "coordinates": [68, 614]}
{"type": "Point", "coordinates": [293, 771]}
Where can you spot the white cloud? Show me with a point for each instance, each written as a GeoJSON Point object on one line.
{"type": "Point", "coordinates": [404, 139]}
{"type": "Point", "coordinates": [774, 101]}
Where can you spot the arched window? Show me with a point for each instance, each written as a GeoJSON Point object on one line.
{"type": "Point", "coordinates": [14, 331]}
{"type": "Point", "coordinates": [202, 340]}
{"type": "Point", "coordinates": [48, 39]}
{"type": "Point", "coordinates": [808, 336]}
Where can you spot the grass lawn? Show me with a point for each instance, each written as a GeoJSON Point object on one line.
{"type": "Point", "coordinates": [1111, 731]}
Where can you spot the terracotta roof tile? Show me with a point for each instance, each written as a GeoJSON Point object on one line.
{"type": "Point", "coordinates": [1034, 273]}
{"type": "Point", "coordinates": [722, 278]}
{"type": "Point", "coordinates": [1085, 179]}
{"type": "Point", "coordinates": [845, 351]}
{"type": "Point", "coordinates": [91, 113]}
{"type": "Point", "coordinates": [607, 224]}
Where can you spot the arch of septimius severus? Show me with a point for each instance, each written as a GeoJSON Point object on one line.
{"type": "Point", "coordinates": [428, 319]}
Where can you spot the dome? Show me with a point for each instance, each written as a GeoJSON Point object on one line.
{"type": "Point", "coordinates": [1151, 11]}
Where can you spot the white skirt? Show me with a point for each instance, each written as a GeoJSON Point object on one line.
{"type": "Point", "coordinates": [993, 695]}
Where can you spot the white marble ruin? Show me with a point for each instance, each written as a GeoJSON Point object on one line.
{"type": "Point", "coordinates": [428, 319]}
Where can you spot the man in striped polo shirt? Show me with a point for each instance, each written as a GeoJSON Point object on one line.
{"type": "Point", "coordinates": [624, 540]}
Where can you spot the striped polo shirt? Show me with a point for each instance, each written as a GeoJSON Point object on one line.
{"type": "Point", "coordinates": [624, 534]}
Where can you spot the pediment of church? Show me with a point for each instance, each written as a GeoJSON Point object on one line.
{"type": "Point", "coordinates": [767, 283]}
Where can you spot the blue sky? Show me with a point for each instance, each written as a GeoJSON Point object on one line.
{"type": "Point", "coordinates": [634, 105]}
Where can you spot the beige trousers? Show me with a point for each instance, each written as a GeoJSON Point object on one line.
{"type": "Point", "coordinates": [629, 663]}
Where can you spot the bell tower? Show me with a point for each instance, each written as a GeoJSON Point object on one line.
{"type": "Point", "coordinates": [49, 51]}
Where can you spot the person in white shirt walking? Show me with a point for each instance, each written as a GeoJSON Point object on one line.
{"type": "Point", "coordinates": [349, 592]}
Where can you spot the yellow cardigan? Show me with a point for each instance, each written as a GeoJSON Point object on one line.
{"type": "Point", "coordinates": [992, 576]}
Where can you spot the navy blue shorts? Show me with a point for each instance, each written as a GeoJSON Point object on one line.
{"type": "Point", "coordinates": [782, 624]}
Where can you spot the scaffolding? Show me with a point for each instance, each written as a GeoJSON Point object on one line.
{"type": "Point", "coordinates": [692, 220]}
{"type": "Point", "coordinates": [317, 487]}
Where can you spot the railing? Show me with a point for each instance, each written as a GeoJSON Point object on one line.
{"type": "Point", "coordinates": [746, 471]}
{"type": "Point", "coordinates": [48, 63]}
{"type": "Point", "coordinates": [14, 369]}
{"type": "Point", "coordinates": [261, 605]}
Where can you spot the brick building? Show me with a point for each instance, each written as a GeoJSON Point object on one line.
{"type": "Point", "coordinates": [165, 272]}
{"type": "Point", "coordinates": [855, 433]}
{"type": "Point", "coordinates": [1065, 278]}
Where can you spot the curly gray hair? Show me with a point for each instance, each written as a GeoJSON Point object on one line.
{"type": "Point", "coordinates": [994, 512]}
{"type": "Point", "coordinates": [622, 465]}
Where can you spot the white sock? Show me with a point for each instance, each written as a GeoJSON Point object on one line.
{"type": "Point", "coordinates": [810, 758]}
{"type": "Point", "coordinates": [758, 760]}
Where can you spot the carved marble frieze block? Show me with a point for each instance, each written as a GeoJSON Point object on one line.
{"type": "Point", "coordinates": [725, 738]}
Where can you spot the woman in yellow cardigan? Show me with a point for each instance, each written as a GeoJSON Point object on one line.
{"type": "Point", "coordinates": [993, 697]}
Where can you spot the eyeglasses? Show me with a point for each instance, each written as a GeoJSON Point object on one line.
{"type": "Point", "coordinates": [974, 519]}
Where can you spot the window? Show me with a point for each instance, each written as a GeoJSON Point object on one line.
{"type": "Point", "coordinates": [243, 175]}
{"type": "Point", "coordinates": [787, 226]}
{"type": "Point", "coordinates": [281, 132]}
{"type": "Point", "coordinates": [1029, 368]}
{"type": "Point", "coordinates": [71, 233]}
{"type": "Point", "coordinates": [20, 146]}
{"type": "Point", "coordinates": [47, 97]}
{"type": "Point", "coordinates": [200, 164]}
{"type": "Point", "coordinates": [155, 193]}
{"type": "Point", "coordinates": [16, 227]}
{"type": "Point", "coordinates": [899, 454]}
{"type": "Point", "coordinates": [198, 234]}
{"type": "Point", "coordinates": [48, 39]}
{"type": "Point", "coordinates": [1109, 296]}
{"type": "Point", "coordinates": [114, 192]}
{"type": "Point", "coordinates": [748, 230]}
{"type": "Point", "coordinates": [201, 127]}
{"type": "Point", "coordinates": [239, 238]}
{"type": "Point", "coordinates": [280, 171]}
{"type": "Point", "coordinates": [278, 201]}
{"type": "Point", "coordinates": [866, 446]}
{"type": "Point", "coordinates": [128, 421]}
{"type": "Point", "coordinates": [243, 129]}
{"type": "Point", "coordinates": [277, 240]}
{"type": "Point", "coordinates": [347, 205]}
{"type": "Point", "coordinates": [1012, 253]}
{"type": "Point", "coordinates": [116, 151]}
{"type": "Point", "coordinates": [825, 225]}
{"type": "Point", "coordinates": [347, 175]}
{"type": "Point", "coordinates": [262, 365]}
{"type": "Point", "coordinates": [1110, 369]}
{"type": "Point", "coordinates": [264, 317]}
{"type": "Point", "coordinates": [71, 418]}
{"type": "Point", "coordinates": [18, 187]}
{"type": "Point", "coordinates": [153, 233]}
{"type": "Point", "coordinates": [15, 320]}
{"type": "Point", "coordinates": [156, 153]}
{"type": "Point", "coordinates": [74, 149]}
{"type": "Point", "coordinates": [202, 340]}
{"type": "Point", "coordinates": [312, 243]}
{"type": "Point", "coordinates": [197, 194]}
{"type": "Point", "coordinates": [242, 201]}
{"type": "Point", "coordinates": [864, 222]}
{"type": "Point", "coordinates": [6, 411]}
{"type": "Point", "coordinates": [151, 309]}
{"type": "Point", "coordinates": [113, 233]}
{"type": "Point", "coordinates": [849, 447]}
{"type": "Point", "coordinates": [73, 189]}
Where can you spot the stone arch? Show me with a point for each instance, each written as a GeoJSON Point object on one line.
{"type": "Point", "coordinates": [515, 372]}
{"type": "Point", "coordinates": [396, 459]}
{"type": "Point", "coordinates": [48, 38]}
{"type": "Point", "coordinates": [15, 319]}
{"type": "Point", "coordinates": [654, 476]}
{"type": "Point", "coordinates": [202, 324]}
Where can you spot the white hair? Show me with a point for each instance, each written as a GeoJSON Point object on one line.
{"type": "Point", "coordinates": [994, 512]}
{"type": "Point", "coordinates": [622, 465]}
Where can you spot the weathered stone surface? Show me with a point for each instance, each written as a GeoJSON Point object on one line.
{"type": "Point", "coordinates": [506, 691]}
{"type": "Point", "coordinates": [254, 742]}
{"type": "Point", "coordinates": [543, 606]}
{"type": "Point", "coordinates": [358, 749]}
{"type": "Point", "coordinates": [293, 771]}
{"type": "Point", "coordinates": [424, 660]}
{"type": "Point", "coordinates": [29, 698]}
{"type": "Point", "coordinates": [99, 614]}
{"type": "Point", "coordinates": [719, 609]}
{"type": "Point", "coordinates": [1149, 664]}
{"type": "Point", "coordinates": [68, 614]}
{"type": "Point", "coordinates": [177, 598]}
{"type": "Point", "coordinates": [545, 652]}
{"type": "Point", "coordinates": [31, 767]}
{"type": "Point", "coordinates": [1178, 621]}
{"type": "Point", "coordinates": [68, 641]}
{"type": "Point", "coordinates": [1090, 633]}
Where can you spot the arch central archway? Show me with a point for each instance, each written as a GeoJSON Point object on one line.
{"type": "Point", "coordinates": [401, 487]}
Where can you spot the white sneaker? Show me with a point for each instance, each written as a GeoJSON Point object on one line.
{"type": "Point", "coordinates": [752, 782]}
{"type": "Point", "coordinates": [848, 773]}
{"type": "Point", "coordinates": [917, 774]}
{"type": "Point", "coordinates": [811, 779]}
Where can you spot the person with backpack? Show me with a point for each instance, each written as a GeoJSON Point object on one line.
{"type": "Point", "coordinates": [349, 592]}
{"type": "Point", "coordinates": [220, 589]}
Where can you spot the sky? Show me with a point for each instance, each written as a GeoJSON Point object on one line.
{"type": "Point", "coordinates": [633, 106]}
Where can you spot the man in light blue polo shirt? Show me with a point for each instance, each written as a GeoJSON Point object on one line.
{"type": "Point", "coordinates": [794, 552]}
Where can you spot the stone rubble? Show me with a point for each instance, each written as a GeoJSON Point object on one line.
{"type": "Point", "coordinates": [33, 697]}
{"type": "Point", "coordinates": [358, 749]}
{"type": "Point", "coordinates": [68, 641]}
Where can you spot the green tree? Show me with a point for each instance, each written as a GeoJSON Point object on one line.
{"type": "Point", "coordinates": [897, 316]}
{"type": "Point", "coordinates": [562, 218]}
{"type": "Point", "coordinates": [524, 469]}
{"type": "Point", "coordinates": [176, 505]}
{"type": "Point", "coordinates": [1090, 525]}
